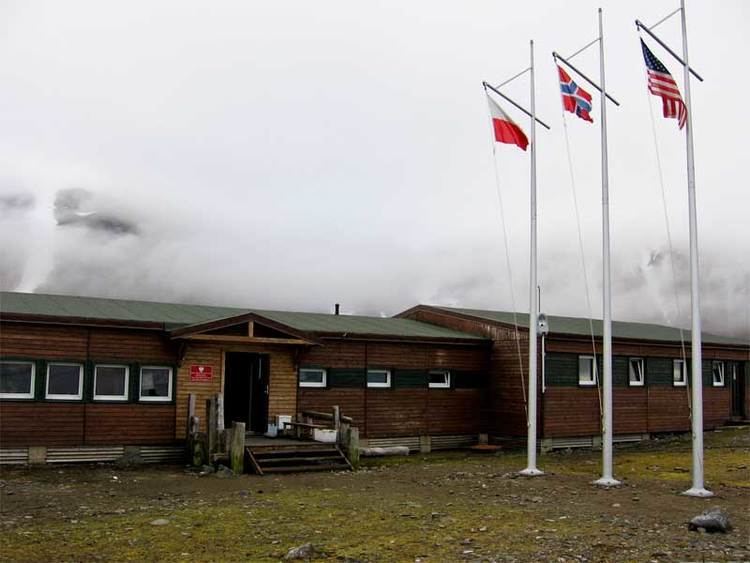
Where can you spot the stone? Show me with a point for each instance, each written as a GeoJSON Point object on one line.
{"type": "Point", "coordinates": [223, 472]}
{"type": "Point", "coordinates": [304, 551]}
{"type": "Point", "coordinates": [712, 521]}
{"type": "Point", "coordinates": [159, 522]}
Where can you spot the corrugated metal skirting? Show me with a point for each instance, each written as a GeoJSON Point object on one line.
{"type": "Point", "coordinates": [84, 454]}
{"type": "Point", "coordinates": [412, 442]}
{"type": "Point", "coordinates": [19, 456]}
{"type": "Point", "coordinates": [162, 454]}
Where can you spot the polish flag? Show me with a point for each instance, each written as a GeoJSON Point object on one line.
{"type": "Point", "coordinates": [506, 131]}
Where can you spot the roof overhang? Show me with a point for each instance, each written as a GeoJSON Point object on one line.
{"type": "Point", "coordinates": [201, 331]}
{"type": "Point", "coordinates": [570, 336]}
{"type": "Point", "coordinates": [79, 321]}
{"type": "Point", "coordinates": [402, 338]}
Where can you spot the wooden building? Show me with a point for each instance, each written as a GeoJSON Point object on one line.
{"type": "Point", "coordinates": [651, 376]}
{"type": "Point", "coordinates": [102, 379]}
{"type": "Point", "coordinates": [86, 378]}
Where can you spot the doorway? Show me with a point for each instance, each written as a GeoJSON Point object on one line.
{"type": "Point", "coordinates": [737, 381]}
{"type": "Point", "coordinates": [246, 390]}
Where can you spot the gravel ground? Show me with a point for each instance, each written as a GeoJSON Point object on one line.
{"type": "Point", "coordinates": [454, 506]}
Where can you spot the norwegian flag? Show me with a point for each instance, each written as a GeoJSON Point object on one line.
{"type": "Point", "coordinates": [575, 99]}
{"type": "Point", "coordinates": [661, 83]}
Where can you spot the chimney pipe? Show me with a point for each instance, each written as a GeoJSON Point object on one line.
{"type": "Point", "coordinates": [336, 308]}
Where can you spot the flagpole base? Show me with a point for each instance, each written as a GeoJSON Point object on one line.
{"type": "Point", "coordinates": [531, 472]}
{"type": "Point", "coordinates": [698, 492]}
{"type": "Point", "coordinates": [606, 482]}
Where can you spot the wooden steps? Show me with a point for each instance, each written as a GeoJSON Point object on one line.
{"type": "Point", "coordinates": [302, 458]}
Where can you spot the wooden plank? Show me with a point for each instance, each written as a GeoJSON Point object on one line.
{"type": "Point", "coordinates": [246, 339]}
{"type": "Point", "coordinates": [253, 461]}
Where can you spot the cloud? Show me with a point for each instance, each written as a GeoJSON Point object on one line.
{"type": "Point", "coordinates": [79, 207]}
{"type": "Point", "coordinates": [16, 203]}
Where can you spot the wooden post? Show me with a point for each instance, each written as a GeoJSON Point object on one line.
{"type": "Point", "coordinates": [199, 449]}
{"type": "Point", "coordinates": [195, 425]}
{"type": "Point", "coordinates": [353, 446]}
{"type": "Point", "coordinates": [342, 436]}
{"type": "Point", "coordinates": [211, 424]}
{"type": "Point", "coordinates": [237, 448]}
{"type": "Point", "coordinates": [222, 442]}
{"type": "Point", "coordinates": [336, 418]}
{"type": "Point", "coordinates": [190, 414]}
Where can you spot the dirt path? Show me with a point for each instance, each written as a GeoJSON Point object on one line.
{"type": "Point", "coordinates": [441, 507]}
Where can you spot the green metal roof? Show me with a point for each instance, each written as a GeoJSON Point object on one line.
{"type": "Point", "coordinates": [581, 326]}
{"type": "Point", "coordinates": [173, 316]}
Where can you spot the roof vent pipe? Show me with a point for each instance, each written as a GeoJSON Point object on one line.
{"type": "Point", "coordinates": [336, 308]}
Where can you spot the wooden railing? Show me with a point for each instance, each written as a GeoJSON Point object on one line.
{"type": "Point", "coordinates": [218, 442]}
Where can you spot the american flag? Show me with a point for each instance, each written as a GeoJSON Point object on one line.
{"type": "Point", "coordinates": [661, 83]}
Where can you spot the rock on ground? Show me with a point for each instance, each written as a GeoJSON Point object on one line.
{"type": "Point", "coordinates": [713, 520]}
{"type": "Point", "coordinates": [305, 551]}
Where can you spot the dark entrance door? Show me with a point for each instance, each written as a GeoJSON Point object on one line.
{"type": "Point", "coordinates": [737, 381]}
{"type": "Point", "coordinates": [246, 390]}
{"type": "Point", "coordinates": [259, 395]}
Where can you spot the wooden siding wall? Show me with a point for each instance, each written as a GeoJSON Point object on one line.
{"type": "Point", "coordinates": [282, 379]}
{"type": "Point", "coordinates": [658, 406]}
{"type": "Point", "coordinates": [399, 411]}
{"type": "Point", "coordinates": [573, 411]}
{"type": "Point", "coordinates": [76, 423]}
{"type": "Point", "coordinates": [505, 410]}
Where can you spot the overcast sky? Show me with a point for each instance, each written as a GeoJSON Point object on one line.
{"type": "Point", "coordinates": [296, 154]}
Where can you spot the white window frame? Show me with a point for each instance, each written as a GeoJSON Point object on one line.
{"type": "Point", "coordinates": [641, 363]}
{"type": "Point", "coordinates": [149, 399]}
{"type": "Point", "coordinates": [683, 371]}
{"type": "Point", "coordinates": [722, 372]}
{"type": "Point", "coordinates": [388, 379]}
{"type": "Point", "coordinates": [30, 394]}
{"type": "Point", "coordinates": [112, 397]}
{"type": "Point", "coordinates": [592, 363]}
{"type": "Point", "coordinates": [444, 385]}
{"type": "Point", "coordinates": [59, 396]}
{"type": "Point", "coordinates": [318, 384]}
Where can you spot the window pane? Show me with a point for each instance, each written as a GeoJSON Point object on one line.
{"type": "Point", "coordinates": [155, 382]}
{"type": "Point", "coordinates": [377, 377]}
{"type": "Point", "coordinates": [679, 371]}
{"type": "Point", "coordinates": [110, 381]}
{"type": "Point", "coordinates": [438, 378]}
{"type": "Point", "coordinates": [636, 370]}
{"type": "Point", "coordinates": [63, 379]}
{"type": "Point", "coordinates": [586, 370]}
{"type": "Point", "coordinates": [311, 376]}
{"type": "Point", "coordinates": [15, 377]}
{"type": "Point", "coordinates": [718, 372]}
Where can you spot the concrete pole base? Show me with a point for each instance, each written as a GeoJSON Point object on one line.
{"type": "Point", "coordinates": [606, 482]}
{"type": "Point", "coordinates": [700, 493]}
{"type": "Point", "coordinates": [531, 472]}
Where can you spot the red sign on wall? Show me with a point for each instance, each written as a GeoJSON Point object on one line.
{"type": "Point", "coordinates": [201, 373]}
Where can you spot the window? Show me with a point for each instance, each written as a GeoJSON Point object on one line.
{"type": "Point", "coordinates": [439, 379]}
{"type": "Point", "coordinates": [156, 384]}
{"type": "Point", "coordinates": [679, 373]}
{"type": "Point", "coordinates": [64, 381]}
{"type": "Point", "coordinates": [636, 372]}
{"type": "Point", "coordinates": [717, 373]}
{"type": "Point", "coordinates": [378, 378]}
{"type": "Point", "coordinates": [312, 377]}
{"type": "Point", "coordinates": [16, 380]}
{"type": "Point", "coordinates": [111, 383]}
{"type": "Point", "coordinates": [586, 370]}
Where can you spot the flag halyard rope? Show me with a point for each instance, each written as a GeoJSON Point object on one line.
{"type": "Point", "coordinates": [583, 263]}
{"type": "Point", "coordinates": [675, 293]}
{"type": "Point", "coordinates": [509, 268]}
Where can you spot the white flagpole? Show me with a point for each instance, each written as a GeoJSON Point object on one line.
{"type": "Point", "coordinates": [531, 468]}
{"type": "Point", "coordinates": [607, 479]}
{"type": "Point", "coordinates": [697, 489]}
